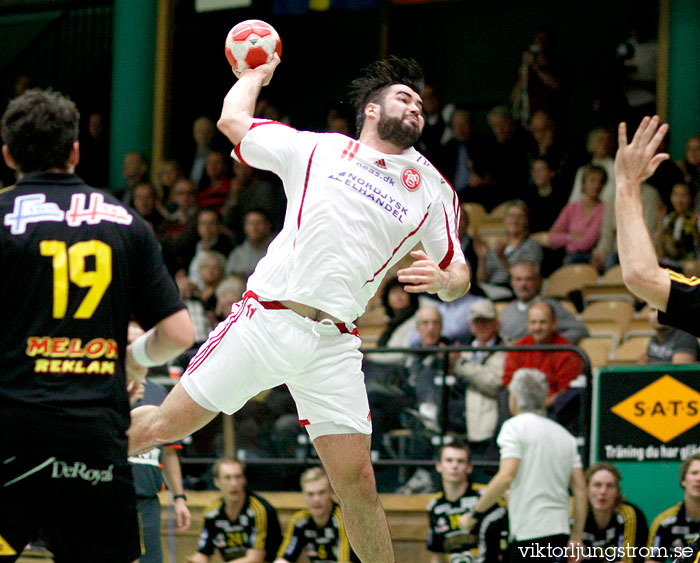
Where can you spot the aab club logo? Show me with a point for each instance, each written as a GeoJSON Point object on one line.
{"type": "Point", "coordinates": [410, 178]}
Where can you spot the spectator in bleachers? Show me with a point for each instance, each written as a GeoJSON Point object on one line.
{"type": "Point", "coordinates": [561, 367]}
{"type": "Point", "coordinates": [134, 172]}
{"type": "Point", "coordinates": [318, 531]}
{"type": "Point", "coordinates": [337, 121]}
{"type": "Point", "coordinates": [481, 187]}
{"type": "Point", "coordinates": [250, 189]}
{"type": "Point", "coordinates": [210, 238]}
{"type": "Point", "coordinates": [217, 183]}
{"type": "Point", "coordinates": [466, 241]}
{"type": "Point", "coordinates": [433, 135]}
{"type": "Point", "coordinates": [422, 369]}
{"type": "Point", "coordinates": [612, 522]}
{"type": "Point", "coordinates": [145, 202]}
{"type": "Point", "coordinates": [446, 540]}
{"type": "Point", "coordinates": [690, 163]}
{"type": "Point", "coordinates": [548, 142]}
{"type": "Point", "coordinates": [243, 526]}
{"type": "Point", "coordinates": [179, 236]}
{"type": "Point", "coordinates": [540, 85]}
{"type": "Point", "coordinates": [401, 308]}
{"type": "Point", "coordinates": [455, 317]}
{"type": "Point", "coordinates": [169, 172]}
{"type": "Point", "coordinates": [546, 196]}
{"type": "Point", "coordinates": [677, 526]}
{"type": "Point", "coordinates": [539, 462]}
{"type": "Point", "coordinates": [670, 345]}
{"type": "Point", "coordinates": [526, 281]}
{"type": "Point", "coordinates": [94, 153]}
{"type": "Point", "coordinates": [678, 237]}
{"type": "Point", "coordinates": [203, 132]}
{"type": "Point", "coordinates": [666, 175]}
{"type": "Point", "coordinates": [604, 254]}
{"type": "Point", "coordinates": [211, 272]}
{"type": "Point", "coordinates": [182, 208]}
{"type": "Point", "coordinates": [494, 263]}
{"type": "Point", "coordinates": [508, 148]}
{"type": "Point", "coordinates": [258, 236]}
{"type": "Point", "coordinates": [455, 155]}
{"type": "Point", "coordinates": [228, 292]}
{"type": "Point", "coordinates": [600, 148]}
{"type": "Point", "coordinates": [483, 372]}
{"type": "Point", "coordinates": [577, 229]}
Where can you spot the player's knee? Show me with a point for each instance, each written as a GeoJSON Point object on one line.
{"type": "Point", "coordinates": [356, 480]}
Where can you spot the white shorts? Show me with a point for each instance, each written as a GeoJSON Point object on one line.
{"type": "Point", "coordinates": [257, 348]}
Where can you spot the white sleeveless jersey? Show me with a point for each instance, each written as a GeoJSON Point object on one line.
{"type": "Point", "coordinates": [352, 213]}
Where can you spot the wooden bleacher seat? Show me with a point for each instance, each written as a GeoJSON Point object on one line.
{"type": "Point", "coordinates": [612, 276]}
{"type": "Point", "coordinates": [598, 349]}
{"type": "Point", "coordinates": [499, 212]}
{"type": "Point", "coordinates": [476, 213]}
{"type": "Point", "coordinates": [606, 329]}
{"type": "Point", "coordinates": [568, 305]}
{"type": "Point", "coordinates": [619, 311]}
{"type": "Point", "coordinates": [568, 278]}
{"type": "Point", "coordinates": [541, 237]}
{"type": "Point", "coordinates": [630, 351]}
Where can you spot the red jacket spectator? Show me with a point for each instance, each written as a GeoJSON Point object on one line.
{"type": "Point", "coordinates": [561, 367]}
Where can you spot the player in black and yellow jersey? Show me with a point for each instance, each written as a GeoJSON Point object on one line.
{"type": "Point", "coordinates": [675, 528]}
{"type": "Point", "coordinates": [76, 265]}
{"type": "Point", "coordinates": [447, 541]}
{"type": "Point", "coordinates": [242, 526]}
{"type": "Point", "coordinates": [614, 527]}
{"type": "Point", "coordinates": [675, 296]}
{"type": "Point", "coordinates": [317, 531]}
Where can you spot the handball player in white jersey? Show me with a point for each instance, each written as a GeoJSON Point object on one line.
{"type": "Point", "coordinates": [355, 208]}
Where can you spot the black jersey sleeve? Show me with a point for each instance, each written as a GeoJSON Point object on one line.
{"type": "Point", "coordinates": [683, 307]}
{"type": "Point", "coordinates": [435, 536]}
{"type": "Point", "coordinates": [268, 534]}
{"type": "Point", "coordinates": [155, 294]}
{"type": "Point", "coordinates": [293, 541]}
{"type": "Point", "coordinates": [641, 534]}
{"type": "Point", "coordinates": [206, 539]}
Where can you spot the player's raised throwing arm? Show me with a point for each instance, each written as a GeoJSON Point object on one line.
{"type": "Point", "coordinates": [239, 104]}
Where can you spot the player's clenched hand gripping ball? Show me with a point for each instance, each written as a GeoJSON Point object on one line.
{"type": "Point", "coordinates": [251, 43]}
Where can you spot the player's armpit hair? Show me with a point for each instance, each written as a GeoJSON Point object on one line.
{"type": "Point", "coordinates": [377, 76]}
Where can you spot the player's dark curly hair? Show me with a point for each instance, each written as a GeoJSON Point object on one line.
{"type": "Point", "coordinates": [371, 86]}
{"type": "Point", "coordinates": [39, 128]}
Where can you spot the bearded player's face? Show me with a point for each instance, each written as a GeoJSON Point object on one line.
{"type": "Point", "coordinates": [401, 116]}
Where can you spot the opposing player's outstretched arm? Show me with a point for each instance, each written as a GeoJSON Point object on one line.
{"type": "Point", "coordinates": [239, 104]}
{"type": "Point", "coordinates": [634, 163]}
{"type": "Point", "coordinates": [424, 275]}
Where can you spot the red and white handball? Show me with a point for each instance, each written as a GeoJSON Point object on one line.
{"type": "Point", "coordinates": [251, 43]}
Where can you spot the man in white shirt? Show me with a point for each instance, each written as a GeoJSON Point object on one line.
{"type": "Point", "coordinates": [539, 461]}
{"type": "Point", "coordinates": [355, 208]}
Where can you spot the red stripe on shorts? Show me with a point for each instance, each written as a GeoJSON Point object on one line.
{"type": "Point", "coordinates": [213, 342]}
{"type": "Point", "coordinates": [304, 422]}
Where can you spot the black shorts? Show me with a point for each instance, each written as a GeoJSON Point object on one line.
{"type": "Point", "coordinates": [85, 510]}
